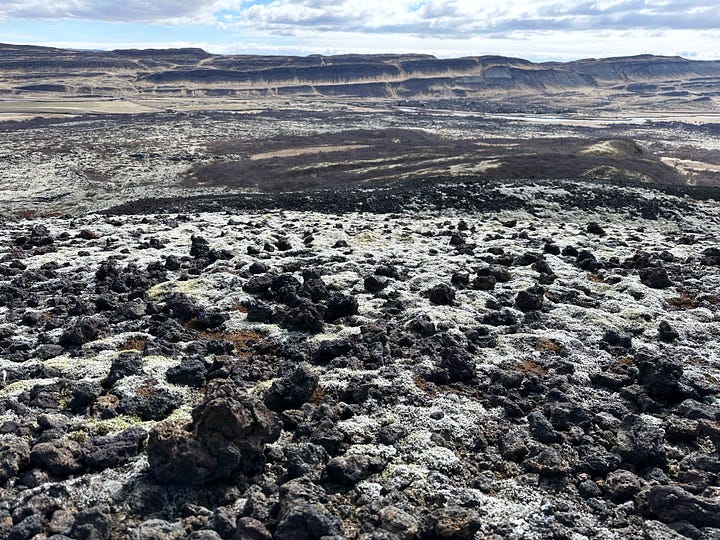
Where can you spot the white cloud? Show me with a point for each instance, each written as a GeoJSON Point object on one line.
{"type": "Point", "coordinates": [535, 29]}
{"type": "Point", "coordinates": [422, 17]}
{"type": "Point", "coordinates": [465, 17]}
{"type": "Point", "coordinates": [154, 11]}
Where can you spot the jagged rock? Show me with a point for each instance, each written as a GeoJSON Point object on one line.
{"type": "Point", "coordinates": [351, 469]}
{"type": "Point", "coordinates": [655, 277]}
{"type": "Point", "coordinates": [27, 528]}
{"type": "Point", "coordinates": [223, 521]}
{"type": "Point", "coordinates": [622, 485]}
{"type": "Point", "coordinates": [62, 457]}
{"type": "Point", "coordinates": [192, 372]}
{"type": "Point", "coordinates": [442, 295]}
{"type": "Point", "coordinates": [398, 522]}
{"type": "Point", "coordinates": [456, 364]}
{"type": "Point", "coordinates": [659, 376]}
{"type": "Point", "coordinates": [92, 524]}
{"type": "Point", "coordinates": [615, 338]}
{"type": "Point", "coordinates": [667, 333]}
{"type": "Point", "coordinates": [152, 403]}
{"type": "Point", "coordinates": [199, 247]}
{"type": "Point", "coordinates": [711, 256]}
{"type": "Point", "coordinates": [159, 529]}
{"type": "Point", "coordinates": [251, 529]}
{"type": "Point", "coordinates": [14, 456]}
{"type": "Point", "coordinates": [541, 429]}
{"type": "Point", "coordinates": [530, 299]}
{"type": "Point", "coordinates": [391, 434]}
{"type": "Point", "coordinates": [340, 305]}
{"type": "Point", "coordinates": [204, 534]}
{"type": "Point", "coordinates": [594, 459]}
{"type": "Point", "coordinates": [305, 317]}
{"type": "Point", "coordinates": [125, 365]}
{"type": "Point", "coordinates": [292, 389]}
{"type": "Point", "coordinates": [640, 442]}
{"type": "Point", "coordinates": [451, 523]}
{"type": "Point", "coordinates": [85, 330]}
{"type": "Point", "coordinates": [182, 307]}
{"type": "Point", "coordinates": [227, 433]}
{"type": "Point", "coordinates": [331, 349]}
{"type": "Point", "coordinates": [373, 283]}
{"type": "Point", "coordinates": [672, 503]}
{"type": "Point", "coordinates": [308, 522]}
{"type": "Point", "coordinates": [113, 450]}
{"type": "Point", "coordinates": [696, 410]}
{"type": "Point", "coordinates": [547, 461]}
{"type": "Point", "coordinates": [306, 459]}
{"type": "Point", "coordinates": [589, 489]}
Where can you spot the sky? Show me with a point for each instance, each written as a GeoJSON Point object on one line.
{"type": "Point", "coordinates": [537, 30]}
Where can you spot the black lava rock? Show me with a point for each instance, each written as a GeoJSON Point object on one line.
{"type": "Point", "coordinates": [655, 277]}
{"type": "Point", "coordinates": [457, 364]}
{"type": "Point", "coordinates": [190, 372]}
{"type": "Point", "coordinates": [85, 330]}
{"type": "Point", "coordinates": [531, 299]}
{"type": "Point", "coordinates": [123, 366]}
{"type": "Point", "coordinates": [442, 295]}
{"type": "Point", "coordinates": [594, 228]}
{"type": "Point", "coordinates": [113, 450]}
{"type": "Point", "coordinates": [292, 389]}
{"type": "Point", "coordinates": [640, 442]}
{"type": "Point", "coordinates": [227, 433]}
{"type": "Point", "coordinates": [373, 283]}
{"type": "Point", "coordinates": [667, 333]}
{"type": "Point", "coordinates": [340, 305]}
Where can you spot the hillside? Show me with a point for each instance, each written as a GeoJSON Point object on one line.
{"type": "Point", "coordinates": [28, 70]}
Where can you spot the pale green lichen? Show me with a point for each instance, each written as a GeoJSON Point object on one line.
{"type": "Point", "coordinates": [185, 287]}
{"type": "Point", "coordinates": [260, 387]}
{"type": "Point", "coordinates": [111, 426]}
{"type": "Point", "coordinates": [18, 387]}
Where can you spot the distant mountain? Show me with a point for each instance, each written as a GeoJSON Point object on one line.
{"type": "Point", "coordinates": [182, 72]}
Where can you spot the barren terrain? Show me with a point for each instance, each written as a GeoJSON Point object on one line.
{"type": "Point", "coordinates": [375, 298]}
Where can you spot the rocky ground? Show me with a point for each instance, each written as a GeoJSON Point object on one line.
{"type": "Point", "coordinates": [532, 361]}
{"type": "Point", "coordinates": [89, 163]}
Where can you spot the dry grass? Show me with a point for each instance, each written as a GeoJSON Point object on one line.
{"type": "Point", "coordinates": [239, 339]}
{"type": "Point", "coordinates": [686, 300]}
{"type": "Point", "coordinates": [530, 366]}
{"type": "Point", "coordinates": [318, 396]}
{"type": "Point", "coordinates": [549, 345]}
{"type": "Point", "coordinates": [422, 384]}
{"type": "Point", "coordinates": [133, 344]}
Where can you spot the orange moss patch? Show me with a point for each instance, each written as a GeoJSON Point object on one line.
{"type": "Point", "coordinates": [133, 344]}
{"type": "Point", "coordinates": [423, 385]}
{"type": "Point", "coordinates": [239, 339]}
{"type": "Point", "coordinates": [549, 345]}
{"type": "Point", "coordinates": [239, 308]}
{"type": "Point", "coordinates": [318, 396]}
{"type": "Point", "coordinates": [686, 300]}
{"type": "Point", "coordinates": [530, 366]}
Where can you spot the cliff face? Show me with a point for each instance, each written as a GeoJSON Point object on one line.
{"type": "Point", "coordinates": [408, 76]}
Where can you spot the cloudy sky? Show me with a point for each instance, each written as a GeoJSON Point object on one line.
{"type": "Point", "coordinates": [533, 29]}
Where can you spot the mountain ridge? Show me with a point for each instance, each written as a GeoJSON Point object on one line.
{"type": "Point", "coordinates": [194, 71]}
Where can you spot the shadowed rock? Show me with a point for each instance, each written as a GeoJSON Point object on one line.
{"type": "Point", "coordinates": [672, 503]}
{"type": "Point", "coordinates": [227, 434]}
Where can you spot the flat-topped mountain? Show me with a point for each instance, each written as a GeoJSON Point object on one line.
{"type": "Point", "coordinates": [190, 71]}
